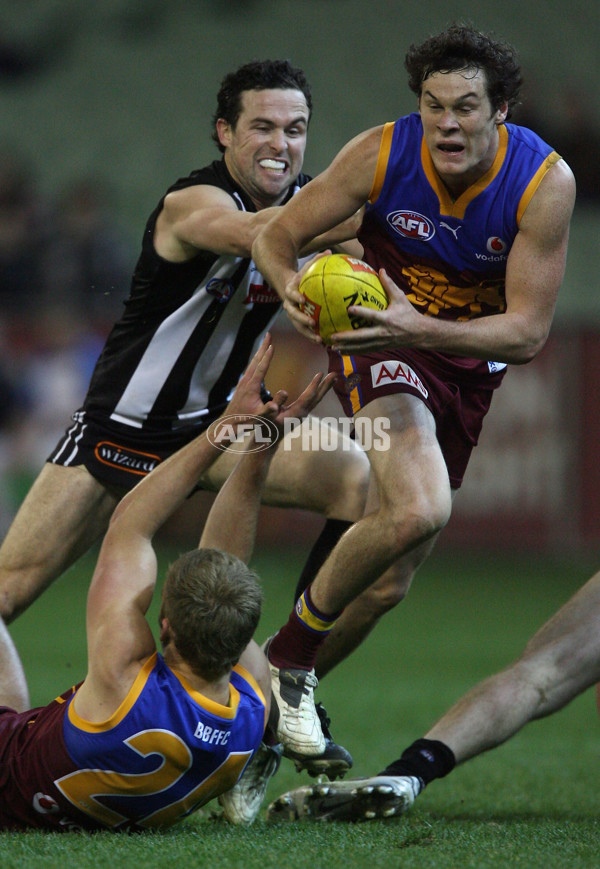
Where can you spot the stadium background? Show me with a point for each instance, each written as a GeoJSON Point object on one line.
{"type": "Point", "coordinates": [122, 93]}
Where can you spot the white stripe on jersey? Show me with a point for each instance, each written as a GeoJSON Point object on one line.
{"type": "Point", "coordinates": [164, 349]}
{"type": "Point", "coordinates": [218, 348]}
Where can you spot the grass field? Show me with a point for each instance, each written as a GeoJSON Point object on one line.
{"type": "Point", "coordinates": [533, 802]}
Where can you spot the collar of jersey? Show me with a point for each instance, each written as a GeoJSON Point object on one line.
{"type": "Point", "coordinates": [457, 208]}
{"type": "Point", "coordinates": [211, 706]}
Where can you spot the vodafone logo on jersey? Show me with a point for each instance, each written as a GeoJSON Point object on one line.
{"type": "Point", "coordinates": [496, 250]}
{"type": "Point", "coordinates": [495, 244]}
{"type": "Point", "coordinates": [392, 371]}
{"type": "Point", "coordinates": [411, 224]}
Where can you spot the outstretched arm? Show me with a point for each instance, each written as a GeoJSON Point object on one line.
{"type": "Point", "coordinates": [119, 637]}
{"type": "Point", "coordinates": [232, 521]}
{"type": "Point", "coordinates": [202, 217]}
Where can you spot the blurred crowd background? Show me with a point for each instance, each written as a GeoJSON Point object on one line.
{"type": "Point", "coordinates": [104, 105]}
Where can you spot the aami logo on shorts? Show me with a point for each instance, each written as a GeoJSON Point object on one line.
{"type": "Point", "coordinates": [126, 459]}
{"type": "Point", "coordinates": [391, 371]}
{"type": "Point", "coordinates": [411, 224]}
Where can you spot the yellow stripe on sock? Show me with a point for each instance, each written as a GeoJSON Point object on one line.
{"type": "Point", "coordinates": [310, 619]}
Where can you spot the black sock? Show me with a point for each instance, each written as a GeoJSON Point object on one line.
{"type": "Point", "coordinates": [426, 759]}
{"type": "Point", "coordinates": [329, 536]}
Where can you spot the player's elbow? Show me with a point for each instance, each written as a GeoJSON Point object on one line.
{"type": "Point", "coordinates": [529, 348]}
{"type": "Point", "coordinates": [526, 340]}
{"type": "Point", "coordinates": [523, 355]}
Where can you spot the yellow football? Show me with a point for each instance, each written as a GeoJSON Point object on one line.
{"type": "Point", "coordinates": [331, 285]}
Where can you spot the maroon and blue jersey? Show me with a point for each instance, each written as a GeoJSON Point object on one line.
{"type": "Point", "coordinates": [448, 255]}
{"type": "Point", "coordinates": [166, 751]}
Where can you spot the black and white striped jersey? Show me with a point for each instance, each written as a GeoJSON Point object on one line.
{"type": "Point", "coordinates": [187, 332]}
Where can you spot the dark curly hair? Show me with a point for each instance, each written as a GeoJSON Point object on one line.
{"type": "Point", "coordinates": [460, 47]}
{"type": "Point", "coordinates": [258, 75]}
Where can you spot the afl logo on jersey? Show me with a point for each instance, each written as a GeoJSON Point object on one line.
{"type": "Point", "coordinates": [411, 224]}
{"type": "Point", "coordinates": [495, 244]}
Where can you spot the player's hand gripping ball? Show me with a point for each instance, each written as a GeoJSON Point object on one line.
{"type": "Point", "coordinates": [334, 283]}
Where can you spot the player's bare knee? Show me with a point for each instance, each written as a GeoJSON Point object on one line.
{"type": "Point", "coordinates": [348, 498]}
{"type": "Point", "coordinates": [538, 680]}
{"type": "Point", "coordinates": [9, 609]}
{"type": "Point", "coordinates": [417, 524]}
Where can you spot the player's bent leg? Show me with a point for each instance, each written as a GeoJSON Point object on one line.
{"type": "Point", "coordinates": [563, 657]}
{"type": "Point", "coordinates": [331, 481]}
{"type": "Point", "coordinates": [558, 663]}
{"type": "Point", "coordinates": [64, 512]}
{"type": "Point", "coordinates": [362, 615]}
{"type": "Point", "coordinates": [414, 504]}
{"type": "Point", "coordinates": [365, 799]}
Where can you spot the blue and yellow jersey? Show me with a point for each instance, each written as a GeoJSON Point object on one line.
{"type": "Point", "coordinates": [449, 256]}
{"type": "Point", "coordinates": [165, 752]}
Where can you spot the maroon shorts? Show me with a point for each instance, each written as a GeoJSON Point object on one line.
{"type": "Point", "coordinates": [457, 391]}
{"type": "Point", "coordinates": [32, 756]}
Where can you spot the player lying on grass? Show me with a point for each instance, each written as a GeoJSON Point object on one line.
{"type": "Point", "coordinates": [147, 738]}
{"type": "Point", "coordinates": [560, 661]}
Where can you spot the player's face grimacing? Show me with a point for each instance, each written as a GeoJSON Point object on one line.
{"type": "Point", "coordinates": [460, 126]}
{"type": "Point", "coordinates": [265, 150]}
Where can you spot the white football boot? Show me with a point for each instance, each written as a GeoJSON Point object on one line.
{"type": "Point", "coordinates": [242, 803]}
{"type": "Point", "coordinates": [361, 799]}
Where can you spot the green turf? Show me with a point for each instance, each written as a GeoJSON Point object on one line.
{"type": "Point", "coordinates": [534, 802]}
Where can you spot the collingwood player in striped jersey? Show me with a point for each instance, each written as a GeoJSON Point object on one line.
{"type": "Point", "coordinates": [196, 312]}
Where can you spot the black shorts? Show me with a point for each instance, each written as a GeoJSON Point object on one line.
{"type": "Point", "coordinates": [121, 455]}
{"type": "Point", "coordinates": [116, 454]}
